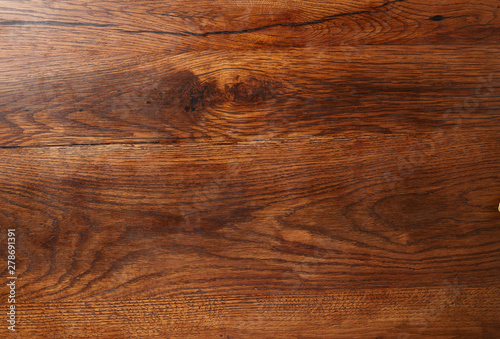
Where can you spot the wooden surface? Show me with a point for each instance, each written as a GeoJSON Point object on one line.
{"type": "Point", "coordinates": [251, 169]}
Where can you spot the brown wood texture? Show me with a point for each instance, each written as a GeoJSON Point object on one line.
{"type": "Point", "coordinates": [251, 169]}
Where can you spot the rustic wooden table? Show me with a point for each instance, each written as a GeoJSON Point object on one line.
{"type": "Point", "coordinates": [250, 169]}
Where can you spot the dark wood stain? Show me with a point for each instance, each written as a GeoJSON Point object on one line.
{"type": "Point", "coordinates": [258, 169]}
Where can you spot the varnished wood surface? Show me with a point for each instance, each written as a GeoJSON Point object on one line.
{"type": "Point", "coordinates": [249, 95]}
{"type": "Point", "coordinates": [183, 26]}
{"type": "Point", "coordinates": [251, 169]}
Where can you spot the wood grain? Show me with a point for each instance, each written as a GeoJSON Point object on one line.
{"type": "Point", "coordinates": [448, 311]}
{"type": "Point", "coordinates": [251, 169]}
{"type": "Point", "coordinates": [182, 26]}
{"type": "Point", "coordinates": [249, 95]}
{"type": "Point", "coordinates": [144, 221]}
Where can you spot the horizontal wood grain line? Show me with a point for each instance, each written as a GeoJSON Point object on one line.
{"type": "Point", "coordinates": [203, 34]}
{"type": "Point", "coordinates": [235, 25]}
{"type": "Point", "coordinates": [247, 95]}
{"type": "Point", "coordinates": [309, 215]}
{"type": "Point", "coordinates": [85, 145]}
{"type": "Point", "coordinates": [53, 23]}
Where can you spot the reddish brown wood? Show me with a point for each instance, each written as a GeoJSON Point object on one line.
{"type": "Point", "coordinates": [183, 26]}
{"type": "Point", "coordinates": [230, 169]}
{"type": "Point", "coordinates": [298, 219]}
{"type": "Point", "coordinates": [247, 95]}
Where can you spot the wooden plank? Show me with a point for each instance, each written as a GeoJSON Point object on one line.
{"type": "Point", "coordinates": [448, 311]}
{"type": "Point", "coordinates": [187, 26]}
{"type": "Point", "coordinates": [246, 95]}
{"type": "Point", "coordinates": [232, 226]}
{"type": "Point", "coordinates": [251, 169]}
{"type": "Point", "coordinates": [257, 210]}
